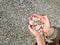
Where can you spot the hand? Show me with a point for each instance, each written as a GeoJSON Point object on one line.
{"type": "Point", "coordinates": [33, 31]}
{"type": "Point", "coordinates": [46, 24]}
{"type": "Point", "coordinates": [38, 35]}
{"type": "Point", "coordinates": [46, 27]}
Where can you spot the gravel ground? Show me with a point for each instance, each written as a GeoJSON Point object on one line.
{"type": "Point", "coordinates": [13, 19]}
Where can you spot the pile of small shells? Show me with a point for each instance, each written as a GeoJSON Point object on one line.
{"type": "Point", "coordinates": [36, 24]}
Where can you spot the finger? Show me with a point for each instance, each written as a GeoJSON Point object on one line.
{"type": "Point", "coordinates": [34, 15]}
{"type": "Point", "coordinates": [41, 32]}
{"type": "Point", "coordinates": [47, 22]}
{"type": "Point", "coordinates": [30, 18]}
{"type": "Point", "coordinates": [31, 29]}
{"type": "Point", "coordinates": [43, 19]}
{"type": "Point", "coordinates": [44, 29]}
{"type": "Point", "coordinates": [46, 18]}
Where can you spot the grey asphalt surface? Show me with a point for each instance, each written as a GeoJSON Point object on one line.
{"type": "Point", "coordinates": [13, 19]}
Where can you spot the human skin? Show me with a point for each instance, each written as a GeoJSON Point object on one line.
{"type": "Point", "coordinates": [38, 36]}
{"type": "Point", "coordinates": [46, 29]}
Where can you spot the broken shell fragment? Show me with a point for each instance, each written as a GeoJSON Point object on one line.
{"type": "Point", "coordinates": [38, 27]}
{"type": "Point", "coordinates": [40, 30]}
{"type": "Point", "coordinates": [35, 19]}
{"type": "Point", "coordinates": [31, 22]}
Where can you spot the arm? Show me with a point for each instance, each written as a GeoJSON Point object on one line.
{"type": "Point", "coordinates": [54, 31]}
{"type": "Point", "coordinates": [40, 40]}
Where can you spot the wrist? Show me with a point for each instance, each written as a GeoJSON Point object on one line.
{"type": "Point", "coordinates": [37, 37]}
{"type": "Point", "coordinates": [40, 40]}
{"type": "Point", "coordinates": [50, 32]}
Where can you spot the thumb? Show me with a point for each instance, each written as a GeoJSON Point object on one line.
{"type": "Point", "coordinates": [32, 30]}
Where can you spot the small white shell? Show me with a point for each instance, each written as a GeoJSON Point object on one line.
{"type": "Point", "coordinates": [35, 19]}
{"type": "Point", "coordinates": [31, 22]}
{"type": "Point", "coordinates": [38, 27]}
{"type": "Point", "coordinates": [40, 30]}
{"type": "Point", "coordinates": [41, 25]}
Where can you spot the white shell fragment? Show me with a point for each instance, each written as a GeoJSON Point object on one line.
{"type": "Point", "coordinates": [35, 19]}
{"type": "Point", "coordinates": [31, 22]}
{"type": "Point", "coordinates": [40, 30]}
{"type": "Point", "coordinates": [38, 27]}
